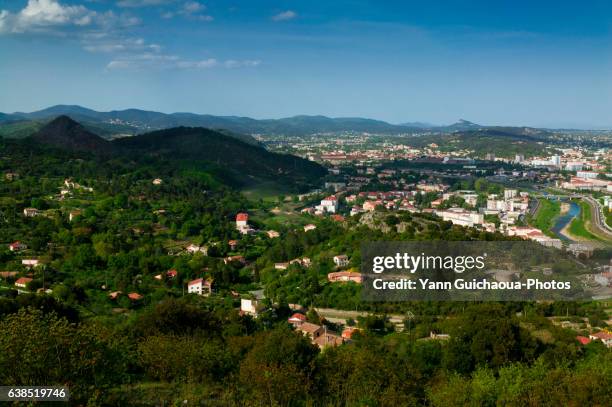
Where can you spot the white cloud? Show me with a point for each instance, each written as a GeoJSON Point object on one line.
{"type": "Point", "coordinates": [192, 10]}
{"type": "Point", "coordinates": [231, 63]}
{"type": "Point", "coordinates": [42, 15]}
{"type": "Point", "coordinates": [104, 44]}
{"type": "Point", "coordinates": [4, 20]}
{"type": "Point", "coordinates": [284, 16]}
{"type": "Point", "coordinates": [139, 62]}
{"type": "Point", "coordinates": [206, 63]}
{"type": "Point", "coordinates": [192, 7]}
{"type": "Point", "coordinates": [204, 17]}
{"type": "Point", "coordinates": [53, 17]}
{"type": "Point", "coordinates": [51, 12]}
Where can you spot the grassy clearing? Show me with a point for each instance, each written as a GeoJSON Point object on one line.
{"type": "Point", "coordinates": [545, 216]}
{"type": "Point", "coordinates": [267, 191]}
{"type": "Point", "coordinates": [579, 226]}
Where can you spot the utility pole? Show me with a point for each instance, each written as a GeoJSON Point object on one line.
{"type": "Point", "coordinates": [410, 317]}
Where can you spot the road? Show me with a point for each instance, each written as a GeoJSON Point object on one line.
{"type": "Point", "coordinates": [534, 204]}
{"type": "Point", "coordinates": [340, 316]}
{"type": "Point", "coordinates": [597, 217]}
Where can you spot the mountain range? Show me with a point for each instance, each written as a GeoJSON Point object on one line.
{"type": "Point", "coordinates": [233, 161]}
{"type": "Point", "coordinates": [133, 121]}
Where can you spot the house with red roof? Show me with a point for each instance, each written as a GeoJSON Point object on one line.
{"type": "Point", "coordinates": [242, 220]}
{"type": "Point", "coordinates": [297, 319]}
{"type": "Point", "coordinates": [348, 332]}
{"type": "Point", "coordinates": [313, 331]}
{"type": "Point", "coordinates": [328, 339]}
{"type": "Point", "coordinates": [344, 276]}
{"type": "Point", "coordinates": [370, 206]}
{"type": "Point", "coordinates": [17, 246]}
{"type": "Point", "coordinates": [200, 286]}
{"type": "Point", "coordinates": [242, 223]}
{"type": "Point", "coordinates": [23, 282]}
{"type": "Point", "coordinates": [605, 337]}
{"type": "Point", "coordinates": [337, 218]}
{"type": "Point", "coordinates": [583, 340]}
{"type": "Point", "coordinates": [135, 296]}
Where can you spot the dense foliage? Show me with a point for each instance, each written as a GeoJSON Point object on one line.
{"type": "Point", "coordinates": [115, 230]}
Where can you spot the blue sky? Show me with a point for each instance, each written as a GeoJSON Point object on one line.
{"type": "Point", "coordinates": [544, 63]}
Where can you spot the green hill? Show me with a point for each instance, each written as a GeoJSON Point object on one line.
{"type": "Point", "coordinates": [66, 134]}
{"type": "Point", "coordinates": [238, 162]}
{"type": "Point", "coordinates": [230, 160]}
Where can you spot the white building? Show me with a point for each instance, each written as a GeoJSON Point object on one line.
{"type": "Point", "coordinates": [30, 262]}
{"type": "Point", "coordinates": [459, 216]}
{"type": "Point", "coordinates": [31, 212]}
{"type": "Point", "coordinates": [329, 204]}
{"type": "Point", "coordinates": [555, 160]}
{"type": "Point", "coordinates": [586, 174]}
{"type": "Point", "coordinates": [200, 287]}
{"type": "Point", "coordinates": [574, 166]}
{"type": "Point", "coordinates": [193, 249]}
{"type": "Point", "coordinates": [250, 307]}
{"type": "Point", "coordinates": [309, 227]}
{"type": "Point", "coordinates": [341, 260]}
{"type": "Point", "coordinates": [496, 205]}
{"type": "Point", "coordinates": [242, 223]}
{"type": "Point", "coordinates": [510, 193]}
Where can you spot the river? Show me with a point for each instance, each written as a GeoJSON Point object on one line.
{"type": "Point", "coordinates": [564, 220]}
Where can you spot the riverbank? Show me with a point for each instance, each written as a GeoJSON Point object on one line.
{"type": "Point", "coordinates": [580, 228]}
{"type": "Point", "coordinates": [546, 216]}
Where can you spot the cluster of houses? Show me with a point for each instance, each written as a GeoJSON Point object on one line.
{"type": "Point", "coordinates": [132, 296]}
{"type": "Point", "coordinates": [303, 262]}
{"type": "Point", "coordinates": [604, 336]}
{"type": "Point", "coordinates": [534, 234]}
{"type": "Point", "coordinates": [508, 208]}
{"type": "Point", "coordinates": [587, 184]}
{"type": "Point", "coordinates": [319, 335]}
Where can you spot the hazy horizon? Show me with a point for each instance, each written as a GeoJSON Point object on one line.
{"type": "Point", "coordinates": [508, 63]}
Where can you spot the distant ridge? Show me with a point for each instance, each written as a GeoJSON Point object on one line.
{"type": "Point", "coordinates": [129, 122]}
{"type": "Point", "coordinates": [139, 121]}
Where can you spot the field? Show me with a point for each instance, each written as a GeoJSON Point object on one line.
{"type": "Point", "coordinates": [545, 216]}
{"type": "Point", "coordinates": [579, 226]}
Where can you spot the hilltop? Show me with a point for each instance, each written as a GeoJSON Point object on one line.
{"type": "Point", "coordinates": [226, 157]}
{"type": "Point", "coordinates": [67, 134]}
{"type": "Point", "coordinates": [241, 161]}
